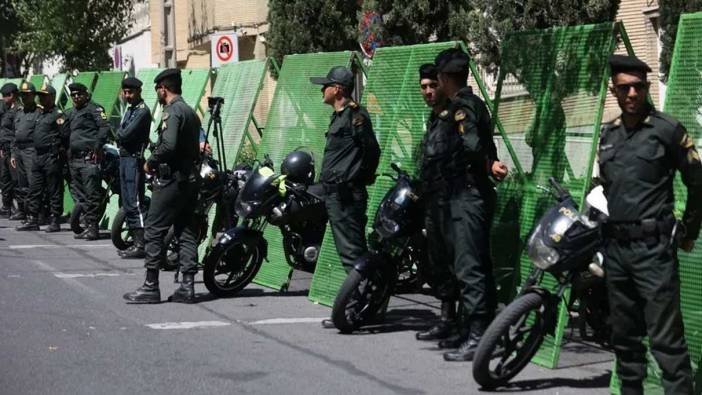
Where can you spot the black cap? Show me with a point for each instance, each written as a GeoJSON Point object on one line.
{"type": "Point", "coordinates": [623, 63]}
{"type": "Point", "coordinates": [337, 75]}
{"type": "Point", "coordinates": [168, 74]}
{"type": "Point", "coordinates": [9, 89]}
{"type": "Point", "coordinates": [77, 87]}
{"type": "Point", "coordinates": [27, 87]}
{"type": "Point", "coordinates": [427, 71]}
{"type": "Point", "coordinates": [46, 89]}
{"type": "Point", "coordinates": [131, 83]}
{"type": "Point", "coordinates": [452, 60]}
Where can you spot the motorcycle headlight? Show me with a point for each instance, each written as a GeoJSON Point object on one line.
{"type": "Point", "coordinates": [540, 254]}
{"type": "Point", "coordinates": [243, 209]}
{"type": "Point", "coordinates": [389, 226]}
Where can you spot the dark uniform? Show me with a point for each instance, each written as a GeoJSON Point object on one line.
{"type": "Point", "coordinates": [23, 149]}
{"type": "Point", "coordinates": [350, 159]}
{"type": "Point", "coordinates": [174, 159]}
{"type": "Point", "coordinates": [637, 169]}
{"type": "Point", "coordinates": [460, 199]}
{"type": "Point", "coordinates": [46, 178]}
{"type": "Point", "coordinates": [133, 137]}
{"type": "Point", "coordinates": [8, 175]}
{"type": "Point", "coordinates": [89, 131]}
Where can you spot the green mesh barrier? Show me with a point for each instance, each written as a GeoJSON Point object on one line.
{"type": "Point", "coordinates": [86, 78]}
{"type": "Point", "coordinates": [550, 99]}
{"type": "Point", "coordinates": [106, 91]}
{"type": "Point", "coordinates": [37, 80]}
{"type": "Point", "coordinates": [297, 117]}
{"type": "Point", "coordinates": [16, 81]}
{"type": "Point", "coordinates": [146, 76]}
{"type": "Point", "coordinates": [58, 82]}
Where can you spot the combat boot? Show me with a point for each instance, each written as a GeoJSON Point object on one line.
{"type": "Point", "coordinates": [136, 250]}
{"type": "Point", "coordinates": [186, 292]}
{"type": "Point", "coordinates": [54, 226]}
{"type": "Point", "coordinates": [466, 351]}
{"type": "Point", "coordinates": [92, 233]}
{"type": "Point", "coordinates": [81, 235]}
{"type": "Point", "coordinates": [147, 293]}
{"type": "Point", "coordinates": [442, 330]}
{"type": "Point", "coordinates": [18, 216]}
{"type": "Point", "coordinates": [31, 224]}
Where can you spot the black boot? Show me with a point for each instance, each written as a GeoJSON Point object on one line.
{"type": "Point", "coordinates": [466, 350]}
{"type": "Point", "coordinates": [18, 216]}
{"type": "Point", "coordinates": [442, 330]}
{"type": "Point", "coordinates": [186, 292]}
{"type": "Point", "coordinates": [81, 235]}
{"type": "Point", "coordinates": [54, 225]}
{"type": "Point", "coordinates": [147, 293]}
{"type": "Point", "coordinates": [136, 250]}
{"type": "Point", "coordinates": [92, 233]}
{"type": "Point", "coordinates": [31, 224]}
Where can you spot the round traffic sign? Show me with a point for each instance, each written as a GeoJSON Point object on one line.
{"type": "Point", "coordinates": [225, 48]}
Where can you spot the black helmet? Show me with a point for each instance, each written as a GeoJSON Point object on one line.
{"type": "Point", "coordinates": [299, 167]}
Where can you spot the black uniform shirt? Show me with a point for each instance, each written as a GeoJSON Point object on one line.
{"type": "Point", "coordinates": [178, 143]}
{"type": "Point", "coordinates": [477, 120]}
{"type": "Point", "coordinates": [47, 132]}
{"type": "Point", "coordinates": [25, 122]}
{"type": "Point", "coordinates": [441, 149]}
{"type": "Point", "coordinates": [88, 128]}
{"type": "Point", "coordinates": [133, 133]}
{"type": "Point", "coordinates": [350, 138]}
{"type": "Point", "coordinates": [637, 169]}
{"type": "Point", "coordinates": [7, 124]}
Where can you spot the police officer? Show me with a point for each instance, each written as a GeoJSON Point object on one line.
{"type": "Point", "coordinates": [456, 164]}
{"type": "Point", "coordinates": [133, 137]}
{"type": "Point", "coordinates": [351, 157]}
{"type": "Point", "coordinates": [46, 177]}
{"type": "Point", "coordinates": [8, 176]}
{"type": "Point", "coordinates": [639, 153]}
{"type": "Point", "coordinates": [174, 163]}
{"type": "Point", "coordinates": [88, 131]}
{"type": "Point", "coordinates": [23, 152]}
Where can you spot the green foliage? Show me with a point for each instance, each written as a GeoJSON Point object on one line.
{"type": "Point", "coordinates": [81, 31]}
{"type": "Point", "coordinates": [408, 22]}
{"type": "Point", "coordinates": [670, 11]}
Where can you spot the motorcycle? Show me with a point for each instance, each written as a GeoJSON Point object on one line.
{"type": "Point", "coordinates": [564, 243]}
{"type": "Point", "coordinates": [289, 201]}
{"type": "Point", "coordinates": [397, 247]}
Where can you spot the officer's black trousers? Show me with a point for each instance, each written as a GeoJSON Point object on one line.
{"type": "Point", "coordinates": [439, 250]}
{"type": "Point", "coordinates": [644, 298]}
{"type": "Point", "coordinates": [131, 181]}
{"type": "Point", "coordinates": [86, 187]}
{"type": "Point", "coordinates": [46, 182]}
{"type": "Point", "coordinates": [8, 180]}
{"type": "Point", "coordinates": [24, 159]}
{"type": "Point", "coordinates": [347, 218]}
{"type": "Point", "coordinates": [172, 203]}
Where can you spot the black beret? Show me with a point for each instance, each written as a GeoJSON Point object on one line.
{"type": "Point", "coordinates": [77, 87]}
{"type": "Point", "coordinates": [427, 70]}
{"type": "Point", "coordinates": [452, 60]}
{"type": "Point", "coordinates": [623, 63]}
{"type": "Point", "coordinates": [27, 87]}
{"type": "Point", "coordinates": [9, 89]}
{"type": "Point", "coordinates": [131, 83]}
{"type": "Point", "coordinates": [168, 74]}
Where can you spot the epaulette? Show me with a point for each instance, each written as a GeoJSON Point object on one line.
{"type": "Point", "coordinates": [352, 104]}
{"type": "Point", "coordinates": [357, 119]}
{"type": "Point", "coordinates": [141, 105]}
{"type": "Point", "coordinates": [665, 117]}
{"type": "Point", "coordinates": [444, 114]}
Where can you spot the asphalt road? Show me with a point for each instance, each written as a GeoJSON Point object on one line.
{"type": "Point", "coordinates": [64, 329]}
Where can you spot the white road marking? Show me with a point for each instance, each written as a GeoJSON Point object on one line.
{"type": "Point", "coordinates": [188, 325]}
{"type": "Point", "coordinates": [278, 321]}
{"type": "Point", "coordinates": [85, 275]}
{"type": "Point", "coordinates": [73, 282]}
{"type": "Point", "coordinates": [30, 246]}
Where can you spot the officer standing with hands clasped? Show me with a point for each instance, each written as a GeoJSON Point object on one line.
{"type": "Point", "coordinates": [46, 177]}
{"type": "Point", "coordinates": [639, 153]}
{"type": "Point", "coordinates": [133, 137]}
{"type": "Point", "coordinates": [8, 176]}
{"type": "Point", "coordinates": [23, 146]}
{"type": "Point", "coordinates": [174, 163]}
{"type": "Point", "coordinates": [351, 156]}
{"type": "Point", "coordinates": [88, 131]}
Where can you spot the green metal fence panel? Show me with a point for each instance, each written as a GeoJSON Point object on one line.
{"type": "Point", "coordinates": [106, 91]}
{"type": "Point", "coordinates": [550, 100]}
{"type": "Point", "coordinates": [37, 80]}
{"type": "Point", "coordinates": [297, 117]}
{"type": "Point", "coordinates": [16, 81]}
{"type": "Point", "coordinates": [58, 82]}
{"type": "Point", "coordinates": [148, 93]}
{"type": "Point", "coordinates": [86, 78]}
{"type": "Point", "coordinates": [194, 83]}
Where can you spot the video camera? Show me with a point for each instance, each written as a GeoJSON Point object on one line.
{"type": "Point", "coordinates": [212, 102]}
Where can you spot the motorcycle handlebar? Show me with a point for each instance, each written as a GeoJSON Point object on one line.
{"type": "Point", "coordinates": [561, 193]}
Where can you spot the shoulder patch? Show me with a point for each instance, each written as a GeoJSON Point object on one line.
{"type": "Point", "coordinates": [141, 105]}
{"type": "Point", "coordinates": [687, 141]}
{"type": "Point", "coordinates": [357, 120]}
{"type": "Point", "coordinates": [60, 120]}
{"type": "Point", "coordinates": [353, 104]}
{"type": "Point", "coordinates": [103, 115]}
{"type": "Point", "coordinates": [459, 115]}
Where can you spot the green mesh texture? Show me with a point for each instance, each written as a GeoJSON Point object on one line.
{"type": "Point", "coordinates": [37, 80]}
{"type": "Point", "coordinates": [550, 101]}
{"type": "Point", "coordinates": [59, 82]}
{"type": "Point", "coordinates": [398, 113]}
{"type": "Point", "coordinates": [106, 91]}
{"type": "Point", "coordinates": [297, 117]}
{"type": "Point", "coordinates": [146, 76]}
{"type": "Point", "coordinates": [86, 78]}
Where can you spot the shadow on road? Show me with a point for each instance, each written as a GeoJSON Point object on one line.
{"type": "Point", "coordinates": [599, 381]}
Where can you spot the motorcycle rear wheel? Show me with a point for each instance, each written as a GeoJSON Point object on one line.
{"type": "Point", "coordinates": [360, 299]}
{"type": "Point", "coordinates": [229, 270]}
{"type": "Point", "coordinates": [120, 235]}
{"type": "Point", "coordinates": [511, 340]}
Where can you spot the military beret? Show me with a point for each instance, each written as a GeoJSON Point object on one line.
{"type": "Point", "coordinates": [168, 74]}
{"type": "Point", "coordinates": [452, 60]}
{"type": "Point", "coordinates": [622, 63]}
{"type": "Point", "coordinates": [427, 71]}
{"type": "Point", "coordinates": [337, 75]}
{"type": "Point", "coordinates": [27, 87]}
{"type": "Point", "coordinates": [131, 83]}
{"type": "Point", "coordinates": [77, 87]}
{"type": "Point", "coordinates": [46, 89]}
{"type": "Point", "coordinates": [8, 89]}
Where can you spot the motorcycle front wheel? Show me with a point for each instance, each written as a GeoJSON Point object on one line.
{"type": "Point", "coordinates": [360, 299]}
{"type": "Point", "coordinates": [510, 341]}
{"type": "Point", "coordinates": [120, 235]}
{"type": "Point", "coordinates": [228, 270]}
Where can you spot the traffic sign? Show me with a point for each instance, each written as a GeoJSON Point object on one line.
{"type": "Point", "coordinates": [224, 48]}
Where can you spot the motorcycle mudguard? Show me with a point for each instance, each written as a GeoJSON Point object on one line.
{"type": "Point", "coordinates": [244, 235]}
{"type": "Point", "coordinates": [371, 261]}
{"type": "Point", "coordinates": [551, 308]}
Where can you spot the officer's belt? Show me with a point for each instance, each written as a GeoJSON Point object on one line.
{"type": "Point", "coordinates": [342, 187]}
{"type": "Point", "coordinates": [450, 185]}
{"type": "Point", "coordinates": [639, 230]}
{"type": "Point", "coordinates": [24, 144]}
{"type": "Point", "coordinates": [123, 151]}
{"type": "Point", "coordinates": [46, 149]}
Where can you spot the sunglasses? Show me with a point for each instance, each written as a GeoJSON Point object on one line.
{"type": "Point", "coordinates": [76, 94]}
{"type": "Point", "coordinates": [623, 89]}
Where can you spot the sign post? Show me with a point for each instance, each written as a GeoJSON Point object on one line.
{"type": "Point", "coordinates": [224, 48]}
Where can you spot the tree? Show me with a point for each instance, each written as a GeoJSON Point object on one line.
{"type": "Point", "coordinates": [408, 22]}
{"type": "Point", "coordinates": [8, 30]}
{"type": "Point", "coordinates": [80, 31]}
{"type": "Point", "coordinates": [670, 11]}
